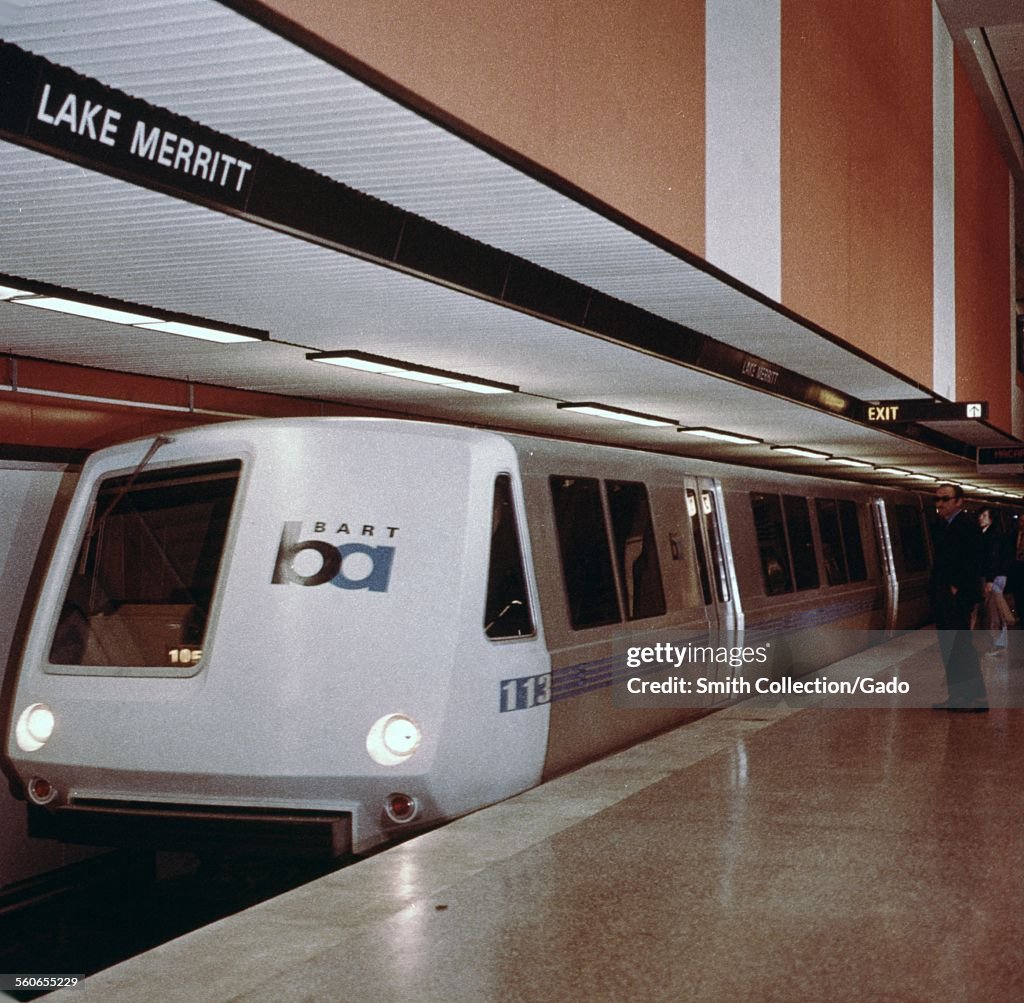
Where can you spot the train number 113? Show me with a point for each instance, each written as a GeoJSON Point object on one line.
{"type": "Point", "coordinates": [525, 692]}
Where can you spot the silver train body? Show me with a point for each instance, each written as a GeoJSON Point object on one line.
{"type": "Point", "coordinates": [319, 634]}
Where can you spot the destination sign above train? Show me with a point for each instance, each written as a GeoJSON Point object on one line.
{"type": "Point", "coordinates": [1005, 457]}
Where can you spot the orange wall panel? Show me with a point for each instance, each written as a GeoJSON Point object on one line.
{"type": "Point", "coordinates": [59, 417]}
{"type": "Point", "coordinates": [45, 422]}
{"type": "Point", "coordinates": [605, 94]}
{"type": "Point", "coordinates": [814, 171]}
{"type": "Point", "coordinates": [984, 324]}
{"type": "Point", "coordinates": [856, 178]}
{"type": "Point", "coordinates": [60, 377]}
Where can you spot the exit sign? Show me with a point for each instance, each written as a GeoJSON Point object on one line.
{"type": "Point", "coordinates": [899, 411]}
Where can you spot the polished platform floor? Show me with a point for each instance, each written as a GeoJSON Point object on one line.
{"type": "Point", "coordinates": [770, 851]}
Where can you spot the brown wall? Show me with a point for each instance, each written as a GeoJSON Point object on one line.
{"type": "Point", "coordinates": [857, 175]}
{"type": "Point", "coordinates": [984, 350]}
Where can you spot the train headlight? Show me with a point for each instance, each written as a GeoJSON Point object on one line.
{"type": "Point", "coordinates": [393, 739]}
{"type": "Point", "coordinates": [34, 727]}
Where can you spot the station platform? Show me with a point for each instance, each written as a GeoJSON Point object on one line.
{"type": "Point", "coordinates": [772, 850]}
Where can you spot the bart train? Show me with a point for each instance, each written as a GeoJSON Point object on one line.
{"type": "Point", "coordinates": [316, 634]}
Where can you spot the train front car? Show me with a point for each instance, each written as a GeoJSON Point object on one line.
{"type": "Point", "coordinates": [285, 633]}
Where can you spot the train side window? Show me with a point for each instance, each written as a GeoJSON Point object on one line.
{"type": "Point", "coordinates": [698, 546]}
{"type": "Point", "coordinates": [831, 541]}
{"type": "Point", "coordinates": [633, 530]}
{"type": "Point", "coordinates": [141, 592]}
{"type": "Point", "coordinates": [910, 546]}
{"type": "Point", "coordinates": [801, 542]}
{"type": "Point", "coordinates": [507, 610]}
{"type": "Point", "coordinates": [853, 547]}
{"type": "Point", "coordinates": [586, 556]}
{"type": "Point", "coordinates": [841, 541]}
{"type": "Point", "coordinates": [771, 543]}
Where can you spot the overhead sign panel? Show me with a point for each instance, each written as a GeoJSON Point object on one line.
{"type": "Point", "coordinates": [732, 363]}
{"type": "Point", "coordinates": [897, 412]}
{"type": "Point", "coordinates": [55, 108]}
{"type": "Point", "coordinates": [1001, 459]}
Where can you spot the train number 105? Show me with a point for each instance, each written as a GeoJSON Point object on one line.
{"type": "Point", "coordinates": [184, 656]}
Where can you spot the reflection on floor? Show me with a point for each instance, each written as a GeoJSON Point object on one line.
{"type": "Point", "coordinates": [775, 850]}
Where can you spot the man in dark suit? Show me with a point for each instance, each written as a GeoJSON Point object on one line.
{"type": "Point", "coordinates": [955, 590]}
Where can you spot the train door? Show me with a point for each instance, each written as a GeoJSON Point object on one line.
{"type": "Point", "coordinates": [887, 561]}
{"type": "Point", "coordinates": [714, 555]}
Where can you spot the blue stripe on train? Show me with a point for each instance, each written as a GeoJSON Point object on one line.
{"type": "Point", "coordinates": [585, 677]}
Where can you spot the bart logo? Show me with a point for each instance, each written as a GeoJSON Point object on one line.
{"type": "Point", "coordinates": [333, 567]}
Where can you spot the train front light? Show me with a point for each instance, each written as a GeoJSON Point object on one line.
{"type": "Point", "coordinates": [401, 808]}
{"type": "Point", "coordinates": [34, 727]}
{"type": "Point", "coordinates": [41, 791]}
{"type": "Point", "coordinates": [393, 739]}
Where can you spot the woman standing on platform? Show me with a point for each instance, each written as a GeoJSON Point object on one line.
{"type": "Point", "coordinates": [1015, 580]}
{"type": "Point", "coordinates": [995, 565]}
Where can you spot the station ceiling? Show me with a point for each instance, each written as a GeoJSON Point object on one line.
{"type": "Point", "coordinates": [495, 275]}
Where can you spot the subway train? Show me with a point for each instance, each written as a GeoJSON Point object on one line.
{"type": "Point", "coordinates": [316, 635]}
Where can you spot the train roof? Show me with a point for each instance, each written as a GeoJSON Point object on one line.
{"type": "Point", "coordinates": [537, 452]}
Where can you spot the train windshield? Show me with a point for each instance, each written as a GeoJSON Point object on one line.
{"type": "Point", "coordinates": [141, 589]}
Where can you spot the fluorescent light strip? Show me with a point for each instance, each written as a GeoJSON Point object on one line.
{"type": "Point", "coordinates": [195, 331]}
{"type": "Point", "coordinates": [896, 472]}
{"type": "Point", "coordinates": [720, 436]}
{"type": "Point", "coordinates": [810, 454]}
{"type": "Point", "coordinates": [618, 414]}
{"type": "Point", "coordinates": [46, 297]}
{"type": "Point", "coordinates": [847, 462]}
{"type": "Point", "coordinates": [362, 362]}
{"type": "Point", "coordinates": [61, 305]}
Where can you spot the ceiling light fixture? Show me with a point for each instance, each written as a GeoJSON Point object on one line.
{"type": "Point", "coordinates": [618, 414]}
{"type": "Point", "coordinates": [90, 310]}
{"type": "Point", "coordinates": [895, 471]}
{"type": "Point", "coordinates": [377, 364]}
{"type": "Point", "coordinates": [49, 297]}
{"type": "Point", "coordinates": [720, 436]}
{"type": "Point", "coordinates": [846, 461]}
{"type": "Point", "coordinates": [810, 454]}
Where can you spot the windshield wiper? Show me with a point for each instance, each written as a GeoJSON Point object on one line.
{"type": "Point", "coordinates": [94, 523]}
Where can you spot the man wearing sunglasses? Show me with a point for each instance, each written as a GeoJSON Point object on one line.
{"type": "Point", "coordinates": [955, 590]}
